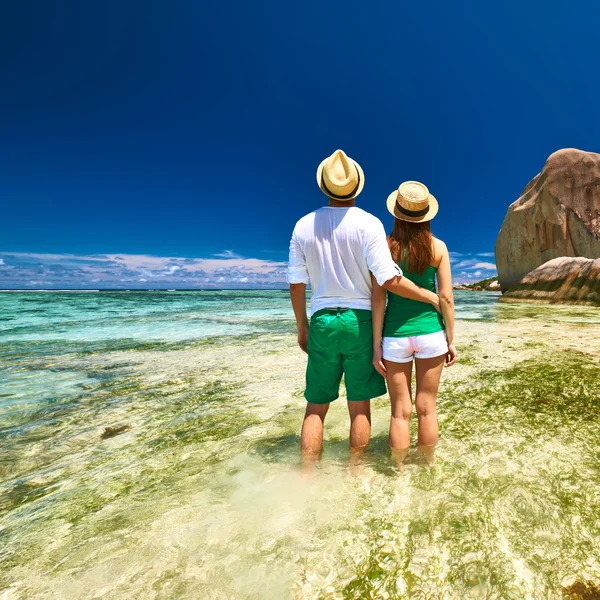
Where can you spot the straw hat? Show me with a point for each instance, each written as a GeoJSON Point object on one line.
{"type": "Point", "coordinates": [340, 177]}
{"type": "Point", "coordinates": [412, 202]}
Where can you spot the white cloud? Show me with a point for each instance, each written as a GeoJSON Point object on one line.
{"type": "Point", "coordinates": [227, 254]}
{"type": "Point", "coordinates": [471, 267]}
{"type": "Point", "coordinates": [473, 256]}
{"type": "Point", "coordinates": [73, 271]}
{"type": "Point", "coordinates": [463, 264]}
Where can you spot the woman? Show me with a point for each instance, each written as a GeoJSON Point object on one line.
{"type": "Point", "coordinates": [413, 330]}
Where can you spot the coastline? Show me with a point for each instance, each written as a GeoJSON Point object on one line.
{"type": "Point", "coordinates": [206, 289]}
{"type": "Point", "coordinates": [547, 301]}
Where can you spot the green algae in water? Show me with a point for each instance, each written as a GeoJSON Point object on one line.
{"type": "Point", "coordinates": [147, 466]}
{"type": "Point", "coordinates": [545, 392]}
{"type": "Point", "coordinates": [506, 510]}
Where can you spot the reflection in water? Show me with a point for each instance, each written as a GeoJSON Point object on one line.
{"type": "Point", "coordinates": [198, 492]}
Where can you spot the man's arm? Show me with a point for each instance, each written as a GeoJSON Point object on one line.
{"type": "Point", "coordinates": [388, 273]}
{"type": "Point", "coordinates": [298, 278]}
{"type": "Point", "coordinates": [405, 287]}
{"type": "Point", "coordinates": [298, 297]}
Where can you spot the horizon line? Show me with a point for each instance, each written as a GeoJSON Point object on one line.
{"type": "Point", "coordinates": [203, 289]}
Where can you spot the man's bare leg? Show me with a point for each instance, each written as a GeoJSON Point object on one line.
{"type": "Point", "coordinates": [360, 426]}
{"type": "Point", "coordinates": [312, 432]}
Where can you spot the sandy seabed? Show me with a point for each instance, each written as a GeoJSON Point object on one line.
{"type": "Point", "coordinates": [203, 496]}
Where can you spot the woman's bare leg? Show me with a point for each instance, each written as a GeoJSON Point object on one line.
{"type": "Point", "coordinates": [429, 372]}
{"type": "Point", "coordinates": [398, 380]}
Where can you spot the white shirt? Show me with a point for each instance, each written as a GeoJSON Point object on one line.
{"type": "Point", "coordinates": [334, 249]}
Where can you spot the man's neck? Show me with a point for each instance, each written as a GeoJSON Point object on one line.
{"type": "Point", "coordinates": [338, 204]}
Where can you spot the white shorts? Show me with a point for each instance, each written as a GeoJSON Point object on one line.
{"type": "Point", "coordinates": [404, 349]}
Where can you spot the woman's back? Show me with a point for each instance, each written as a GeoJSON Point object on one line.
{"type": "Point", "coordinates": [407, 318]}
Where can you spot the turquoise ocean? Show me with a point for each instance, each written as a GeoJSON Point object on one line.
{"type": "Point", "coordinates": [196, 492]}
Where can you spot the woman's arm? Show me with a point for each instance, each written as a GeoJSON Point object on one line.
{"type": "Point", "coordinates": [378, 300]}
{"type": "Point", "coordinates": [444, 278]}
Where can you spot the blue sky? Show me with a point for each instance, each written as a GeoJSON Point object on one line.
{"type": "Point", "coordinates": [139, 137]}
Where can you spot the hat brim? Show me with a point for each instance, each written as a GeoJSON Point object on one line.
{"type": "Point", "coordinates": [361, 184]}
{"type": "Point", "coordinates": [433, 209]}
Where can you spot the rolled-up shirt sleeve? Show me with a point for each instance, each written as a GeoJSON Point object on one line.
{"type": "Point", "coordinates": [379, 258]}
{"type": "Point", "coordinates": [297, 271]}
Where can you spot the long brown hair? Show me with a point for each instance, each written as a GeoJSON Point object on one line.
{"type": "Point", "coordinates": [413, 242]}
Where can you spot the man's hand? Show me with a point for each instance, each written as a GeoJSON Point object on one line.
{"type": "Point", "coordinates": [378, 360]}
{"type": "Point", "coordinates": [303, 338]}
{"type": "Point", "coordinates": [451, 356]}
{"type": "Point", "coordinates": [436, 304]}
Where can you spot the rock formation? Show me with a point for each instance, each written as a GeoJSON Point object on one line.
{"type": "Point", "coordinates": [565, 279]}
{"type": "Point", "coordinates": [110, 432]}
{"type": "Point", "coordinates": [581, 589]}
{"type": "Point", "coordinates": [488, 285]}
{"type": "Point", "coordinates": [558, 214]}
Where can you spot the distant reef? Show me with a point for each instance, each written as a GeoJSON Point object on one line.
{"type": "Point", "coordinates": [558, 215]}
{"type": "Point", "coordinates": [565, 279]}
{"type": "Point", "coordinates": [485, 285]}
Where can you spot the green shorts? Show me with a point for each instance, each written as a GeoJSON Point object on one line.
{"type": "Point", "coordinates": [340, 341]}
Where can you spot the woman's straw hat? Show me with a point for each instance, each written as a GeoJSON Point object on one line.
{"type": "Point", "coordinates": [340, 177]}
{"type": "Point", "coordinates": [412, 202]}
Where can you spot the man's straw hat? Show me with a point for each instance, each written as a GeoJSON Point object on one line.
{"type": "Point", "coordinates": [340, 177]}
{"type": "Point", "coordinates": [412, 202]}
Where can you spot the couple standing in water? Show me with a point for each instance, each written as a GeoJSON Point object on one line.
{"type": "Point", "coordinates": [375, 309]}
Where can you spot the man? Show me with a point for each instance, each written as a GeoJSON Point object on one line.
{"type": "Point", "coordinates": [335, 249]}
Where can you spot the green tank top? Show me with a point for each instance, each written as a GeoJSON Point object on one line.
{"type": "Point", "coordinates": [405, 317]}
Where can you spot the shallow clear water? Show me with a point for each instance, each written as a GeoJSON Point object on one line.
{"type": "Point", "coordinates": [202, 495]}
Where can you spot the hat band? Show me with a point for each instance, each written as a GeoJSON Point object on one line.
{"type": "Point", "coordinates": [336, 196]}
{"type": "Point", "coordinates": [412, 213]}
